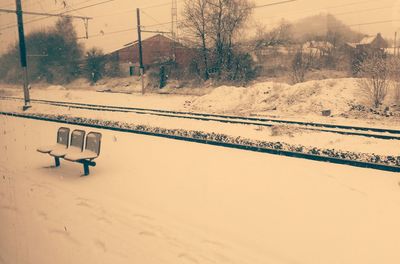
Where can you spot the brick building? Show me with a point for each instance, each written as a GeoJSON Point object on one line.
{"type": "Point", "coordinates": [156, 50]}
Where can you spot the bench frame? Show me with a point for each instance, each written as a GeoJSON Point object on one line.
{"type": "Point", "coordinates": [85, 162]}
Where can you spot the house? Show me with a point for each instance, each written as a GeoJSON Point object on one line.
{"type": "Point", "coordinates": [319, 48]}
{"type": "Point", "coordinates": [369, 43]}
{"type": "Point", "coordinates": [373, 42]}
{"type": "Point", "coordinates": [156, 50]}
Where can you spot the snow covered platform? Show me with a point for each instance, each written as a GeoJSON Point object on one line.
{"type": "Point", "coordinates": [156, 200]}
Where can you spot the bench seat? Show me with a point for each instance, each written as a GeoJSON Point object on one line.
{"type": "Point", "coordinates": [62, 142]}
{"type": "Point", "coordinates": [60, 153]}
{"type": "Point", "coordinates": [85, 155]}
{"type": "Point", "coordinates": [48, 149]}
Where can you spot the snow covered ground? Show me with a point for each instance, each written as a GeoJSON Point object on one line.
{"type": "Point", "coordinates": [154, 200]}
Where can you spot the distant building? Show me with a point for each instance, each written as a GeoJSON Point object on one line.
{"type": "Point", "coordinates": [370, 43]}
{"type": "Point", "coordinates": [319, 48]}
{"type": "Point", "coordinates": [373, 42]}
{"type": "Point", "coordinates": [156, 50]}
{"type": "Point", "coordinates": [357, 52]}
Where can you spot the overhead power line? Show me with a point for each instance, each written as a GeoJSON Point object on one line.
{"type": "Point", "coordinates": [161, 24]}
{"type": "Point", "coordinates": [59, 14]}
{"type": "Point", "coordinates": [132, 29]}
{"type": "Point", "coordinates": [102, 34]}
{"type": "Point", "coordinates": [158, 5]}
{"type": "Point", "coordinates": [134, 10]}
{"type": "Point", "coordinates": [149, 16]}
{"type": "Point", "coordinates": [272, 4]}
{"type": "Point", "coordinates": [109, 33]}
{"type": "Point", "coordinates": [375, 22]}
{"type": "Point", "coordinates": [42, 14]}
{"type": "Point", "coordinates": [294, 12]}
{"type": "Point", "coordinates": [54, 10]}
{"type": "Point", "coordinates": [361, 11]}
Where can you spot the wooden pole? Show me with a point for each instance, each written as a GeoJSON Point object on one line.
{"type": "Point", "coordinates": [140, 49]}
{"type": "Point", "coordinates": [22, 54]}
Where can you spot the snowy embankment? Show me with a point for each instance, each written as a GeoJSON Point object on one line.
{"type": "Point", "coordinates": [303, 98]}
{"type": "Point", "coordinates": [152, 200]}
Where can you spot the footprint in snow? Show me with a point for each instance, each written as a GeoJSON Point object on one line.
{"type": "Point", "coordinates": [142, 216]}
{"type": "Point", "coordinates": [147, 233]}
{"type": "Point", "coordinates": [101, 245]}
{"type": "Point", "coordinates": [188, 258]}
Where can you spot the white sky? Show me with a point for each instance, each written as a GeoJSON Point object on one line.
{"type": "Point", "coordinates": [121, 15]}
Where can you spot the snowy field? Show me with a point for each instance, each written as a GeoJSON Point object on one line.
{"type": "Point", "coordinates": [153, 200]}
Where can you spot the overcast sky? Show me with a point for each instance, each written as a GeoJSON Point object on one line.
{"type": "Point", "coordinates": [120, 15]}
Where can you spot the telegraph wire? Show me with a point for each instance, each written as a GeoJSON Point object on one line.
{"type": "Point", "coordinates": [62, 13]}
{"type": "Point", "coordinates": [323, 9]}
{"type": "Point", "coordinates": [272, 4]}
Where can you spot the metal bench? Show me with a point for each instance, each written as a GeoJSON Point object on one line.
{"type": "Point", "coordinates": [75, 152]}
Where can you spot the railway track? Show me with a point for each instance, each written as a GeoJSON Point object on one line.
{"type": "Point", "coordinates": [221, 143]}
{"type": "Point", "coordinates": [373, 132]}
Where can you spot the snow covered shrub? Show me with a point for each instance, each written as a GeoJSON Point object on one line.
{"type": "Point", "coordinates": [357, 59]}
{"type": "Point", "coordinates": [375, 74]}
{"type": "Point", "coordinates": [395, 77]}
{"type": "Point", "coordinates": [301, 64]}
{"type": "Point", "coordinates": [242, 68]}
{"type": "Point", "coordinates": [94, 65]}
{"type": "Point", "coordinates": [153, 78]}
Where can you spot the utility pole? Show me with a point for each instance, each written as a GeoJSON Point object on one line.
{"type": "Point", "coordinates": [140, 49]}
{"type": "Point", "coordinates": [174, 26]}
{"type": "Point", "coordinates": [22, 54]}
{"type": "Point", "coordinates": [395, 44]}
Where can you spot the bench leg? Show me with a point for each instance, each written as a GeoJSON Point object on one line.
{"type": "Point", "coordinates": [85, 169]}
{"type": "Point", "coordinates": [57, 161]}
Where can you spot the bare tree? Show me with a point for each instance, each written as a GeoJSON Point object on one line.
{"type": "Point", "coordinates": [376, 77]}
{"type": "Point", "coordinates": [301, 64]}
{"type": "Point", "coordinates": [215, 23]}
{"type": "Point", "coordinates": [227, 17]}
{"type": "Point", "coordinates": [195, 22]}
{"type": "Point", "coordinates": [279, 35]}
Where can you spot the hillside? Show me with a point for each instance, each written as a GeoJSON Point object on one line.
{"type": "Point", "coordinates": [322, 24]}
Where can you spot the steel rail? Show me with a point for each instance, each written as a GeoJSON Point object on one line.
{"type": "Point", "coordinates": [226, 118]}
